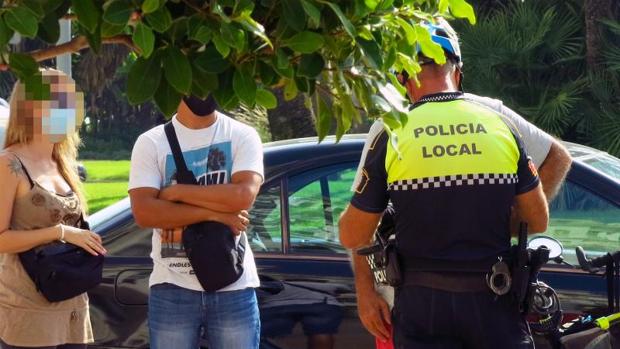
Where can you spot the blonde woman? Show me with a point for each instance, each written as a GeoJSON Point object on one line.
{"type": "Point", "coordinates": [40, 202]}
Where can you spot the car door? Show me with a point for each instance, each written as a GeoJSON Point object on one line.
{"type": "Point", "coordinates": [586, 212]}
{"type": "Point", "coordinates": [307, 291]}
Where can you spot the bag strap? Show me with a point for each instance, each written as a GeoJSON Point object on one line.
{"type": "Point", "coordinates": [184, 175]}
{"type": "Point", "coordinates": [179, 161]}
{"type": "Point", "coordinates": [241, 250]}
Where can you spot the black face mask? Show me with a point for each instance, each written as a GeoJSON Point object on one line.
{"type": "Point", "coordinates": [200, 107]}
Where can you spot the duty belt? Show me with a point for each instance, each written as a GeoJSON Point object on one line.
{"type": "Point", "coordinates": [459, 276]}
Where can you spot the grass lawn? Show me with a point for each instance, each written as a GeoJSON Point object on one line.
{"type": "Point", "coordinates": [106, 182]}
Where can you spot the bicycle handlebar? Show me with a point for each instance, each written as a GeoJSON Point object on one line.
{"type": "Point", "coordinates": [593, 264]}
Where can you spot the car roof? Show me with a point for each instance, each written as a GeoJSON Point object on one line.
{"type": "Point", "coordinates": [282, 156]}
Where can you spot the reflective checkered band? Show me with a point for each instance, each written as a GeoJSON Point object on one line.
{"type": "Point", "coordinates": [454, 181]}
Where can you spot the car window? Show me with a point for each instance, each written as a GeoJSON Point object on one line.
{"type": "Point", "coordinates": [265, 230]}
{"type": "Point", "coordinates": [316, 199]}
{"type": "Point", "coordinates": [605, 163]}
{"type": "Point", "coordinates": [579, 217]}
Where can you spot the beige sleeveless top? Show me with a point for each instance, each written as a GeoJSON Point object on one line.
{"type": "Point", "coordinates": [26, 317]}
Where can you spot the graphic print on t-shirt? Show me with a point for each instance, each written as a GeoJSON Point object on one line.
{"type": "Point", "coordinates": [210, 165]}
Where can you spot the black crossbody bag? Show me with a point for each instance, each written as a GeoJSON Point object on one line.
{"type": "Point", "coordinates": [61, 271]}
{"type": "Point", "coordinates": [210, 246]}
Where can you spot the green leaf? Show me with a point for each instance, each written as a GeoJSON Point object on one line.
{"type": "Point", "coordinates": [305, 42]}
{"type": "Point", "coordinates": [349, 112]}
{"type": "Point", "coordinates": [244, 85]}
{"type": "Point", "coordinates": [340, 123]}
{"type": "Point", "coordinates": [290, 90]}
{"type": "Point", "coordinates": [381, 104]}
{"type": "Point", "coordinates": [149, 6]}
{"type": "Point", "coordinates": [167, 98]}
{"type": "Point", "coordinates": [108, 30]}
{"type": "Point", "coordinates": [87, 13]}
{"type": "Point", "coordinates": [22, 21]}
{"type": "Point", "coordinates": [199, 30]}
{"type": "Point", "coordinates": [371, 4]}
{"type": "Point", "coordinates": [144, 38]}
{"type": "Point", "coordinates": [312, 11]}
{"type": "Point", "coordinates": [50, 6]}
{"type": "Point", "coordinates": [310, 65]}
{"type": "Point", "coordinates": [225, 94]}
{"type": "Point", "coordinates": [372, 52]}
{"type": "Point", "coordinates": [37, 88]}
{"type": "Point", "coordinates": [392, 119]}
{"type": "Point", "coordinates": [443, 6]}
{"type": "Point", "coordinates": [348, 26]}
{"type": "Point", "coordinates": [266, 99]}
{"type": "Point", "coordinates": [324, 121]}
{"type": "Point", "coordinates": [390, 59]}
{"type": "Point", "coordinates": [159, 20]}
{"type": "Point", "coordinates": [282, 59]}
{"type": "Point", "coordinates": [118, 11]}
{"type": "Point", "coordinates": [6, 33]}
{"type": "Point", "coordinates": [221, 46]}
{"type": "Point", "coordinates": [23, 65]}
{"type": "Point", "coordinates": [428, 47]}
{"type": "Point", "coordinates": [143, 79]}
{"type": "Point", "coordinates": [177, 70]}
{"type": "Point", "coordinates": [293, 13]}
{"type": "Point", "coordinates": [267, 74]}
{"type": "Point", "coordinates": [461, 9]}
{"type": "Point", "coordinates": [410, 33]}
{"type": "Point", "coordinates": [94, 39]}
{"type": "Point", "coordinates": [304, 85]}
{"type": "Point", "coordinates": [179, 29]}
{"type": "Point", "coordinates": [234, 36]}
{"type": "Point", "coordinates": [203, 83]}
{"type": "Point", "coordinates": [254, 27]}
{"type": "Point", "coordinates": [49, 29]}
{"type": "Point", "coordinates": [35, 7]}
{"type": "Point", "coordinates": [210, 61]}
{"type": "Point", "coordinates": [412, 67]}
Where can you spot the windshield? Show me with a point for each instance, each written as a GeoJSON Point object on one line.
{"type": "Point", "coordinates": [600, 160]}
{"type": "Point", "coordinates": [605, 163]}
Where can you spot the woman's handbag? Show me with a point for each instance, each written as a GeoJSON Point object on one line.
{"type": "Point", "coordinates": [210, 246]}
{"type": "Point", "coordinates": [62, 271]}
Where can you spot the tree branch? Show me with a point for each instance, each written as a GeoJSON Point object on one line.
{"type": "Point", "coordinates": [76, 44]}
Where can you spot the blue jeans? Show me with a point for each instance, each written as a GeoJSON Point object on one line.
{"type": "Point", "coordinates": [179, 317]}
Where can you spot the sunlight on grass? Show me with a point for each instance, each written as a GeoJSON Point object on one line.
{"type": "Point", "coordinates": [106, 183]}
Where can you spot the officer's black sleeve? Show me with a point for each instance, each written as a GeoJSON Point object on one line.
{"type": "Point", "coordinates": [526, 170]}
{"type": "Point", "coordinates": [371, 194]}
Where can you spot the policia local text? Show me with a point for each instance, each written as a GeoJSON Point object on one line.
{"type": "Point", "coordinates": [449, 130]}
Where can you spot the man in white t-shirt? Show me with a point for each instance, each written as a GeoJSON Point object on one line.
{"type": "Point", "coordinates": [226, 158]}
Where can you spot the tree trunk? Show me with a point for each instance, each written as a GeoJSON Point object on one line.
{"type": "Point", "coordinates": [290, 119]}
{"type": "Point", "coordinates": [595, 10]}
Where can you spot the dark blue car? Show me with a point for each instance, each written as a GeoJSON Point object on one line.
{"type": "Point", "coordinates": [307, 293]}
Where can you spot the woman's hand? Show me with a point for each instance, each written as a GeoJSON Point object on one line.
{"type": "Point", "coordinates": [86, 239]}
{"type": "Point", "coordinates": [238, 222]}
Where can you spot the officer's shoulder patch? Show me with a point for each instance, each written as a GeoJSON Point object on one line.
{"type": "Point", "coordinates": [363, 182]}
{"type": "Point", "coordinates": [532, 167]}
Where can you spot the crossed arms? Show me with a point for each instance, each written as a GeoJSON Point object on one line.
{"type": "Point", "coordinates": [180, 205]}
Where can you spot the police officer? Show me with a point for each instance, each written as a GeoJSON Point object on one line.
{"type": "Point", "coordinates": [458, 169]}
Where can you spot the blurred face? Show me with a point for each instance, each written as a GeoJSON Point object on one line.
{"type": "Point", "coordinates": [52, 109]}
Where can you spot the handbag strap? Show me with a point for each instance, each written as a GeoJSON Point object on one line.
{"type": "Point", "coordinates": [241, 250]}
{"type": "Point", "coordinates": [184, 175]}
